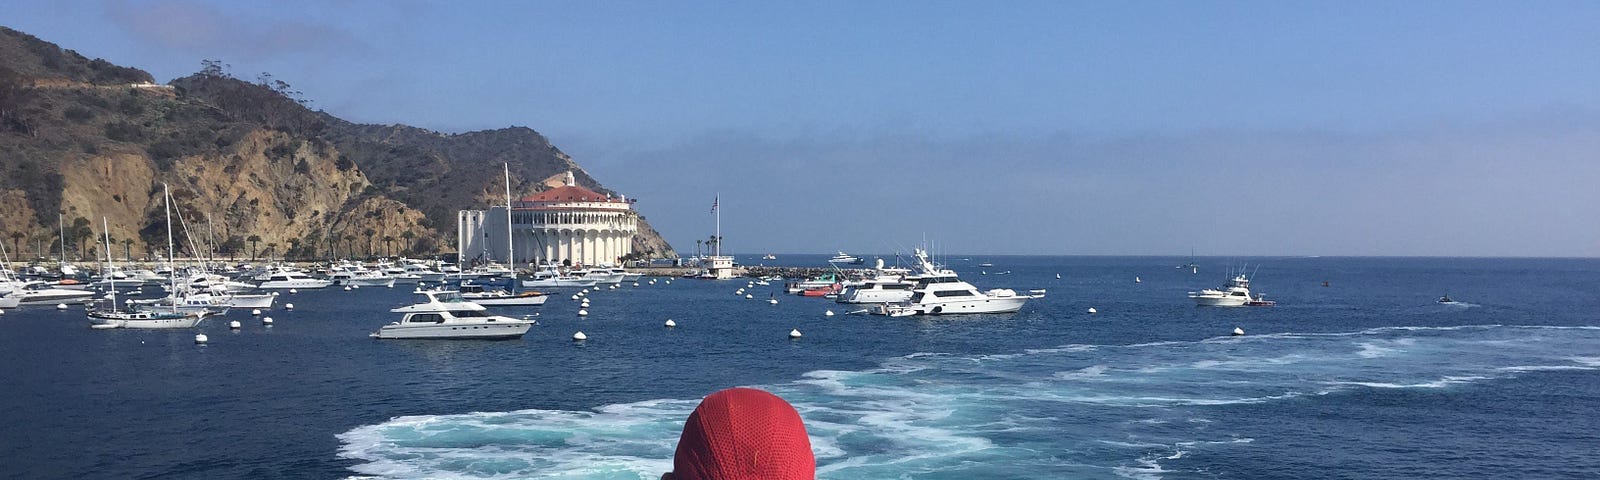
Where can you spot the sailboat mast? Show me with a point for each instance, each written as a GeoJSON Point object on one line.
{"type": "Point", "coordinates": [109, 274]}
{"type": "Point", "coordinates": [172, 269]}
{"type": "Point", "coordinates": [718, 245]}
{"type": "Point", "coordinates": [511, 249]}
{"type": "Point", "coordinates": [62, 228]}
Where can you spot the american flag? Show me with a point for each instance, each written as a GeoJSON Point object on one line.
{"type": "Point", "coordinates": [714, 202]}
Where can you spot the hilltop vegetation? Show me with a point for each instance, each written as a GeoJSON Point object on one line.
{"type": "Point", "coordinates": [84, 138]}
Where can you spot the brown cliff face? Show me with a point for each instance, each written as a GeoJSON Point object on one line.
{"type": "Point", "coordinates": [245, 161]}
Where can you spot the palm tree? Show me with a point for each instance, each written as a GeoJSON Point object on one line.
{"type": "Point", "coordinates": [294, 245]}
{"type": "Point", "coordinates": [388, 245]}
{"type": "Point", "coordinates": [408, 236]}
{"type": "Point", "coordinates": [16, 242]}
{"type": "Point", "coordinates": [127, 248]}
{"type": "Point", "coordinates": [270, 248]}
{"type": "Point", "coordinates": [253, 239]}
{"type": "Point", "coordinates": [697, 247]}
{"type": "Point", "coordinates": [369, 233]}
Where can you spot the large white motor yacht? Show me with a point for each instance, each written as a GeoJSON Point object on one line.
{"type": "Point", "coordinates": [550, 277]}
{"type": "Point", "coordinates": [444, 315]}
{"type": "Point", "coordinates": [361, 278]}
{"type": "Point", "coordinates": [941, 292]}
{"type": "Point", "coordinates": [41, 293]}
{"type": "Point", "coordinates": [888, 285]}
{"type": "Point", "coordinates": [476, 293]}
{"type": "Point", "coordinates": [846, 259]}
{"type": "Point", "coordinates": [1236, 293]}
{"type": "Point", "coordinates": [291, 279]}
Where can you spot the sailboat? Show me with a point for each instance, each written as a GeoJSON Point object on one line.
{"type": "Point", "coordinates": [1191, 266]}
{"type": "Point", "coordinates": [108, 315]}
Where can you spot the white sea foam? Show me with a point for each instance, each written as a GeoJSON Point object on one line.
{"type": "Point", "coordinates": [1132, 406]}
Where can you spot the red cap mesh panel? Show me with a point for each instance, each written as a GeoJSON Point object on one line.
{"type": "Point", "coordinates": [744, 434]}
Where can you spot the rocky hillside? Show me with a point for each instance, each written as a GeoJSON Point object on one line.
{"type": "Point", "coordinates": [251, 167]}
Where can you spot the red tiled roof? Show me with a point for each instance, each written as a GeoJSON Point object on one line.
{"type": "Point", "coordinates": [570, 193]}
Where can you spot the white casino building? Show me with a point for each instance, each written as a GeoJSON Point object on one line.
{"type": "Point", "coordinates": [567, 224]}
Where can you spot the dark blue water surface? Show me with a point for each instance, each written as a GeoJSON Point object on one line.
{"type": "Point", "coordinates": [1364, 378]}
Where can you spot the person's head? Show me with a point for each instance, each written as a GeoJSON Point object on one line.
{"type": "Point", "coordinates": [743, 434]}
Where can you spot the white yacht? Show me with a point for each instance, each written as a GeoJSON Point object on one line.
{"type": "Point", "coordinates": [283, 279]}
{"type": "Point", "coordinates": [941, 292]}
{"type": "Point", "coordinates": [491, 270]}
{"type": "Point", "coordinates": [361, 278]}
{"type": "Point", "coordinates": [1235, 293]}
{"type": "Point", "coordinates": [626, 276]}
{"type": "Point", "coordinates": [109, 317]}
{"type": "Point", "coordinates": [445, 315]}
{"type": "Point", "coordinates": [422, 272]}
{"type": "Point", "coordinates": [476, 293]}
{"type": "Point", "coordinates": [41, 293]}
{"type": "Point", "coordinates": [550, 277]}
{"type": "Point", "coordinates": [846, 259]}
{"type": "Point", "coordinates": [601, 276]}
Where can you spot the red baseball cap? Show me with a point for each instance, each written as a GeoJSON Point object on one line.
{"type": "Point", "coordinates": [744, 434]}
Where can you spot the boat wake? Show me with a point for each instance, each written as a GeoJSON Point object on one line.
{"type": "Point", "coordinates": [1135, 411]}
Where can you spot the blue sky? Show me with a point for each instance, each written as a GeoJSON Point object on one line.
{"type": "Point", "coordinates": [1234, 128]}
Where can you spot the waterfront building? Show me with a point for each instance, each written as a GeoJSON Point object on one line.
{"type": "Point", "coordinates": [564, 225]}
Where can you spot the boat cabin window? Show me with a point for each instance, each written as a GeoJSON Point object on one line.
{"type": "Point", "coordinates": [468, 314]}
{"type": "Point", "coordinates": [896, 286]}
{"type": "Point", "coordinates": [425, 318]}
{"type": "Point", "coordinates": [953, 293]}
{"type": "Point", "coordinates": [916, 298]}
{"type": "Point", "coordinates": [1239, 294]}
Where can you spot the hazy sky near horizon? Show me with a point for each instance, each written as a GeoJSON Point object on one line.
{"type": "Point", "coordinates": [1233, 128]}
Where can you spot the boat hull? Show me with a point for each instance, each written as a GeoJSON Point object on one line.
{"type": "Point", "coordinates": [528, 301]}
{"type": "Point", "coordinates": [976, 306]}
{"type": "Point", "coordinates": [156, 322]}
{"type": "Point", "coordinates": [249, 301]}
{"type": "Point", "coordinates": [1222, 301]}
{"type": "Point", "coordinates": [10, 301]}
{"type": "Point", "coordinates": [451, 331]}
{"type": "Point", "coordinates": [52, 297]}
{"type": "Point", "coordinates": [558, 282]}
{"type": "Point", "coordinates": [296, 284]}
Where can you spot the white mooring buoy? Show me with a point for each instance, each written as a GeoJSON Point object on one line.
{"type": "Point", "coordinates": [748, 296]}
{"type": "Point", "coordinates": [61, 306]}
{"type": "Point", "coordinates": [255, 312]}
{"type": "Point", "coordinates": [288, 306]}
{"type": "Point", "coordinates": [1137, 280]}
{"type": "Point", "coordinates": [795, 333]}
{"type": "Point", "coordinates": [1238, 331]}
{"type": "Point", "coordinates": [1058, 276]}
{"type": "Point", "coordinates": [200, 338]}
{"type": "Point", "coordinates": [293, 291]}
{"type": "Point", "coordinates": [773, 301]}
{"type": "Point", "coordinates": [828, 313]}
{"type": "Point", "coordinates": [266, 320]}
{"type": "Point", "coordinates": [578, 337]}
{"type": "Point", "coordinates": [583, 313]}
{"type": "Point", "coordinates": [355, 286]}
{"type": "Point", "coordinates": [1092, 310]}
{"type": "Point", "coordinates": [669, 282]}
{"type": "Point", "coordinates": [347, 288]}
{"type": "Point", "coordinates": [234, 325]}
{"type": "Point", "coordinates": [574, 297]}
{"type": "Point", "coordinates": [671, 323]}
{"type": "Point", "coordinates": [274, 294]}
{"type": "Point", "coordinates": [635, 284]}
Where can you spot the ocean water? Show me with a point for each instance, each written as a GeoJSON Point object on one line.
{"type": "Point", "coordinates": [1364, 378]}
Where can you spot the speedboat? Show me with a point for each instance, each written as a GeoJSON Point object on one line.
{"type": "Point", "coordinates": [1233, 294]}
{"type": "Point", "coordinates": [942, 292]}
{"type": "Point", "coordinates": [422, 272]}
{"type": "Point", "coordinates": [601, 276]}
{"type": "Point", "coordinates": [476, 293]}
{"type": "Point", "coordinates": [826, 280]}
{"type": "Point", "coordinates": [769, 257]}
{"type": "Point", "coordinates": [846, 259]}
{"type": "Point", "coordinates": [445, 315]}
{"type": "Point", "coordinates": [291, 279]}
{"type": "Point", "coordinates": [1446, 300]}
